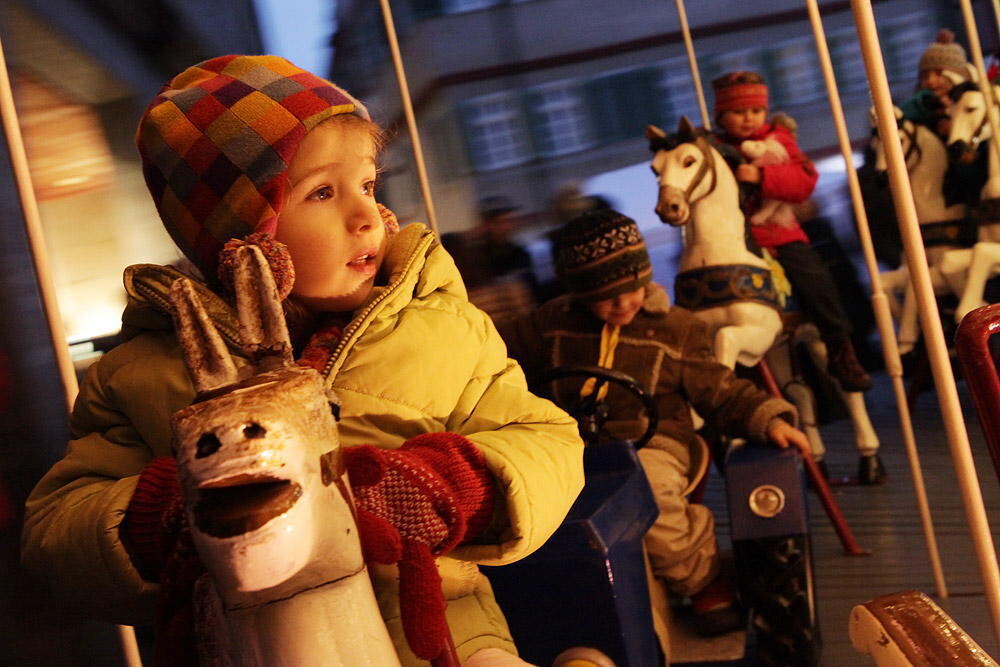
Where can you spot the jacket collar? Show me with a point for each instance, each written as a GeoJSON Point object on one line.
{"type": "Point", "coordinates": [415, 263]}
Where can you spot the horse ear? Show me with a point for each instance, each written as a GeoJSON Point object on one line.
{"type": "Point", "coordinates": [685, 129]}
{"type": "Point", "coordinates": [653, 133]}
{"type": "Point", "coordinates": [205, 353]}
{"type": "Point", "coordinates": [263, 330]}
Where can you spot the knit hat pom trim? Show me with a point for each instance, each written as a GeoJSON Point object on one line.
{"type": "Point", "coordinates": [276, 254]}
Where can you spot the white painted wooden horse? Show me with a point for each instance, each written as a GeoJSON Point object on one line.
{"type": "Point", "coordinates": [267, 498]}
{"type": "Point", "coordinates": [969, 128]}
{"type": "Point", "coordinates": [723, 282]}
{"type": "Point", "coordinates": [945, 229]}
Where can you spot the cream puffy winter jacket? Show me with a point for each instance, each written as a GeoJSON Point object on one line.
{"type": "Point", "coordinates": [416, 358]}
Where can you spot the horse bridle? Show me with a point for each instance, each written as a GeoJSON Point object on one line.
{"type": "Point", "coordinates": [707, 166]}
{"type": "Point", "coordinates": [910, 134]}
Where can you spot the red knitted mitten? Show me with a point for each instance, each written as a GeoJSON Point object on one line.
{"type": "Point", "coordinates": [415, 503]}
{"type": "Point", "coordinates": [157, 537]}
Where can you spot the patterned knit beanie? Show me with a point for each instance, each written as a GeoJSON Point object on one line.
{"type": "Point", "coordinates": [216, 143]}
{"type": "Point", "coordinates": [739, 90]}
{"type": "Point", "coordinates": [601, 254]}
{"type": "Point", "coordinates": [944, 54]}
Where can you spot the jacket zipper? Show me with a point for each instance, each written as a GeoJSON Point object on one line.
{"type": "Point", "coordinates": [351, 328]}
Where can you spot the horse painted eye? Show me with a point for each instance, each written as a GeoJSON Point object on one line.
{"type": "Point", "coordinates": [688, 161]}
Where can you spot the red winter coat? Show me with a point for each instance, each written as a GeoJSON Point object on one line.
{"type": "Point", "coordinates": [792, 182]}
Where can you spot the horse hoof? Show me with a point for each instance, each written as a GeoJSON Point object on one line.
{"type": "Point", "coordinates": [871, 472]}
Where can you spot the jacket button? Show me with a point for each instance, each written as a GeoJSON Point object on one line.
{"type": "Point", "coordinates": [649, 333]}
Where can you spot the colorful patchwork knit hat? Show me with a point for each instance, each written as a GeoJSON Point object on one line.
{"type": "Point", "coordinates": [601, 254]}
{"type": "Point", "coordinates": [945, 54]}
{"type": "Point", "coordinates": [739, 90]}
{"type": "Point", "coordinates": [216, 143]}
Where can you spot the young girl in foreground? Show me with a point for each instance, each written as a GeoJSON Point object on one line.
{"type": "Point", "coordinates": [254, 149]}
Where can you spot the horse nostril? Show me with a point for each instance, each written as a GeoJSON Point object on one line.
{"type": "Point", "coordinates": [207, 445]}
{"type": "Point", "coordinates": [675, 207]}
{"type": "Point", "coordinates": [253, 430]}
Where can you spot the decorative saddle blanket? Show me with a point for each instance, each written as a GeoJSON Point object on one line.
{"type": "Point", "coordinates": [712, 286]}
{"type": "Point", "coordinates": [950, 232]}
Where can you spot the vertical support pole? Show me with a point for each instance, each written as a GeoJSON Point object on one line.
{"type": "Point", "coordinates": [880, 305]}
{"type": "Point", "coordinates": [411, 121]}
{"type": "Point", "coordinates": [36, 241]}
{"type": "Point", "coordinates": [944, 380]}
{"type": "Point", "coordinates": [693, 64]}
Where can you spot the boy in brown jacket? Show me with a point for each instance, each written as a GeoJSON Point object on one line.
{"type": "Point", "coordinates": [615, 317]}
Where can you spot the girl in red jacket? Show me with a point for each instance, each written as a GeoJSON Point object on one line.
{"type": "Point", "coordinates": [741, 107]}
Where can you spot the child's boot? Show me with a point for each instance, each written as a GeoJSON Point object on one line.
{"type": "Point", "coordinates": [844, 366]}
{"type": "Point", "coordinates": [716, 610]}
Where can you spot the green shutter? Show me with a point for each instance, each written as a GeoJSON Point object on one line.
{"type": "Point", "coordinates": [602, 107]}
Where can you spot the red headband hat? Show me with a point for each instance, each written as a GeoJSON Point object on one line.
{"type": "Point", "coordinates": [732, 91]}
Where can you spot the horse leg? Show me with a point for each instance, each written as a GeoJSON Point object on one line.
{"type": "Point", "coordinates": [909, 328]}
{"type": "Point", "coordinates": [894, 283]}
{"type": "Point", "coordinates": [740, 343]}
{"type": "Point", "coordinates": [779, 359]}
{"type": "Point", "coordinates": [954, 268]}
{"type": "Point", "coordinates": [984, 265]}
{"type": "Point", "coordinates": [865, 438]}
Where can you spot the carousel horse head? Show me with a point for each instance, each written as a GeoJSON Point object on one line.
{"type": "Point", "coordinates": [912, 150]}
{"type": "Point", "coordinates": [257, 452]}
{"type": "Point", "coordinates": [684, 165]}
{"type": "Point", "coordinates": [969, 123]}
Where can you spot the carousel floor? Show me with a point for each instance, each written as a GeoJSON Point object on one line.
{"type": "Point", "coordinates": [883, 519]}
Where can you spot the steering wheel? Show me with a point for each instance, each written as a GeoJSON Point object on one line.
{"type": "Point", "coordinates": [590, 412]}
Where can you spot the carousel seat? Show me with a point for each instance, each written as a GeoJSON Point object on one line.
{"type": "Point", "coordinates": [587, 585]}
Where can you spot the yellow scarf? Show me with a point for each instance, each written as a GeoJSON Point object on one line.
{"type": "Point", "coordinates": [609, 341]}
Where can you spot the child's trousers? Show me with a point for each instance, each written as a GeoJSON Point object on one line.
{"type": "Point", "coordinates": [813, 286]}
{"type": "Point", "coordinates": [681, 543]}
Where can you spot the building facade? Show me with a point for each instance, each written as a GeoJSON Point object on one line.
{"type": "Point", "coordinates": [518, 98]}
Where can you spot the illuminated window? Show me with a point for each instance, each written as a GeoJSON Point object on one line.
{"type": "Point", "coordinates": [495, 131]}
{"type": "Point", "coordinates": [559, 118]}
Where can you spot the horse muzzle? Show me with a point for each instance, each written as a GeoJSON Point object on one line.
{"type": "Point", "coordinates": [672, 206]}
{"type": "Point", "coordinates": [242, 503]}
{"type": "Point", "coordinates": [957, 149]}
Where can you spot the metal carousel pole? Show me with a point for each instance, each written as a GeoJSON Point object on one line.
{"type": "Point", "coordinates": [880, 304]}
{"type": "Point", "coordinates": [693, 64]}
{"type": "Point", "coordinates": [411, 121]}
{"type": "Point", "coordinates": [46, 288]}
{"type": "Point", "coordinates": [944, 379]}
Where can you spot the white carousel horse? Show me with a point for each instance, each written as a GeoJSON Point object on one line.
{"type": "Point", "coordinates": [723, 282]}
{"type": "Point", "coordinates": [267, 498]}
{"type": "Point", "coordinates": [944, 228]}
{"type": "Point", "coordinates": [970, 127]}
